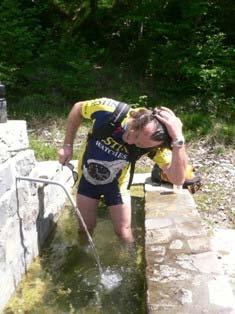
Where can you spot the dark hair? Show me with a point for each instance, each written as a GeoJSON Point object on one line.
{"type": "Point", "coordinates": [161, 133]}
{"type": "Point", "coordinates": [143, 117]}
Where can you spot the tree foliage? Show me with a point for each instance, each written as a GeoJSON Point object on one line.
{"type": "Point", "coordinates": [168, 50]}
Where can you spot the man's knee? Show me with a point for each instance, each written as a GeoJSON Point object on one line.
{"type": "Point", "coordinates": [124, 233]}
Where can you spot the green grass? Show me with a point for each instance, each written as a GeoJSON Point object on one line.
{"type": "Point", "coordinates": [223, 133]}
{"type": "Point", "coordinates": [42, 150]}
{"type": "Point", "coordinates": [197, 126]}
{"type": "Point", "coordinates": [40, 114]}
{"type": "Point", "coordinates": [36, 111]}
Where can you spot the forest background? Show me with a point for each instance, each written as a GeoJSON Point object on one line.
{"type": "Point", "coordinates": [178, 53]}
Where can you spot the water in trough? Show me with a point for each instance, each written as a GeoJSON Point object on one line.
{"type": "Point", "coordinates": [66, 279]}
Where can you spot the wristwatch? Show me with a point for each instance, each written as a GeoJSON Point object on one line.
{"type": "Point", "coordinates": [178, 142]}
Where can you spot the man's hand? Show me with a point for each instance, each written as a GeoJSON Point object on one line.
{"type": "Point", "coordinates": [74, 120]}
{"type": "Point", "coordinates": [65, 154]}
{"type": "Point", "coordinates": [172, 123]}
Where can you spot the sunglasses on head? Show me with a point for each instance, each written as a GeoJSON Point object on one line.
{"type": "Point", "coordinates": [161, 133]}
{"type": "Point", "coordinates": [74, 173]}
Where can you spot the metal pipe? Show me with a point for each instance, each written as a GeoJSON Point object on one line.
{"type": "Point", "coordinates": [47, 181]}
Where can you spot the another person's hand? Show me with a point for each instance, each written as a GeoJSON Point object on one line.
{"type": "Point", "coordinates": [172, 123]}
{"type": "Point", "coordinates": [65, 154]}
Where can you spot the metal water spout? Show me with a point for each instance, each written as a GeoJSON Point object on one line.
{"type": "Point", "coordinates": [47, 181]}
{"type": "Point", "coordinates": [3, 104]}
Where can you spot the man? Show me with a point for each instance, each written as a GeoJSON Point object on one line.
{"type": "Point", "coordinates": [104, 165]}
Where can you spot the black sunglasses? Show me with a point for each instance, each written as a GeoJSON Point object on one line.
{"type": "Point", "coordinates": [74, 173]}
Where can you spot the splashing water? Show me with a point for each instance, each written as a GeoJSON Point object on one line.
{"type": "Point", "coordinates": [110, 279]}
{"type": "Point", "coordinates": [71, 277]}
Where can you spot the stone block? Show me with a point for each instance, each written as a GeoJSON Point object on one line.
{"type": "Point", "coordinates": [13, 249]}
{"type": "Point", "coordinates": [168, 201]}
{"type": "Point", "coordinates": [158, 259]}
{"type": "Point", "coordinates": [24, 162]}
{"type": "Point", "coordinates": [6, 177]}
{"type": "Point", "coordinates": [13, 205]}
{"type": "Point", "coordinates": [191, 215]}
{"type": "Point", "coordinates": [157, 223]}
{"type": "Point", "coordinates": [2, 257]}
{"type": "Point", "coordinates": [199, 245]}
{"type": "Point", "coordinates": [161, 236]}
{"type": "Point", "coordinates": [50, 199]}
{"type": "Point", "coordinates": [31, 242]}
{"type": "Point", "coordinates": [155, 254]}
{"type": "Point", "coordinates": [8, 205]}
{"type": "Point", "coordinates": [190, 229]}
{"type": "Point", "coordinates": [3, 211]}
{"type": "Point", "coordinates": [10, 279]}
{"type": "Point", "coordinates": [51, 170]}
{"type": "Point", "coordinates": [176, 245]}
{"type": "Point", "coordinates": [167, 273]}
{"type": "Point", "coordinates": [23, 193]}
{"type": "Point", "coordinates": [54, 195]}
{"type": "Point", "coordinates": [4, 154]}
{"type": "Point", "coordinates": [7, 287]}
{"type": "Point", "coordinates": [157, 249]}
{"type": "Point", "coordinates": [4, 205]}
{"type": "Point", "coordinates": [13, 134]}
{"type": "Point", "coordinates": [29, 216]}
{"type": "Point", "coordinates": [185, 261]}
{"type": "Point", "coordinates": [184, 296]}
{"type": "Point", "coordinates": [207, 263]}
{"type": "Point", "coordinates": [204, 263]}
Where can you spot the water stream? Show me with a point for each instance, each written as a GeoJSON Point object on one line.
{"type": "Point", "coordinates": [66, 279]}
{"type": "Point", "coordinates": [91, 242]}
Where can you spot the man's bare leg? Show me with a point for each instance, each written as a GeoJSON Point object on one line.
{"type": "Point", "coordinates": [88, 209]}
{"type": "Point", "coordinates": [121, 219]}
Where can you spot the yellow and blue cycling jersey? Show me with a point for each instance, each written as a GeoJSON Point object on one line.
{"type": "Point", "coordinates": [106, 161]}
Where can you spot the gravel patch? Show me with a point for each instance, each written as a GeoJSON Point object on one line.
{"type": "Point", "coordinates": [216, 199]}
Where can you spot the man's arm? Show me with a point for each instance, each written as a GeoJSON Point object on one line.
{"type": "Point", "coordinates": [176, 170]}
{"type": "Point", "coordinates": [73, 123]}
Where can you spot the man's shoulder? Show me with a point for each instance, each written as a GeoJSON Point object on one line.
{"type": "Point", "coordinates": [93, 106]}
{"type": "Point", "coordinates": [104, 101]}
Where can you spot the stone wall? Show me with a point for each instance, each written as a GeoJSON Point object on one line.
{"type": "Point", "coordinates": [27, 213]}
{"type": "Point", "coordinates": [184, 274]}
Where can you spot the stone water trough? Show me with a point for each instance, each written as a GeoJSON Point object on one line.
{"type": "Point", "coordinates": [185, 270]}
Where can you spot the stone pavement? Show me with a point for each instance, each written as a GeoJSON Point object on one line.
{"type": "Point", "coordinates": [183, 272]}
